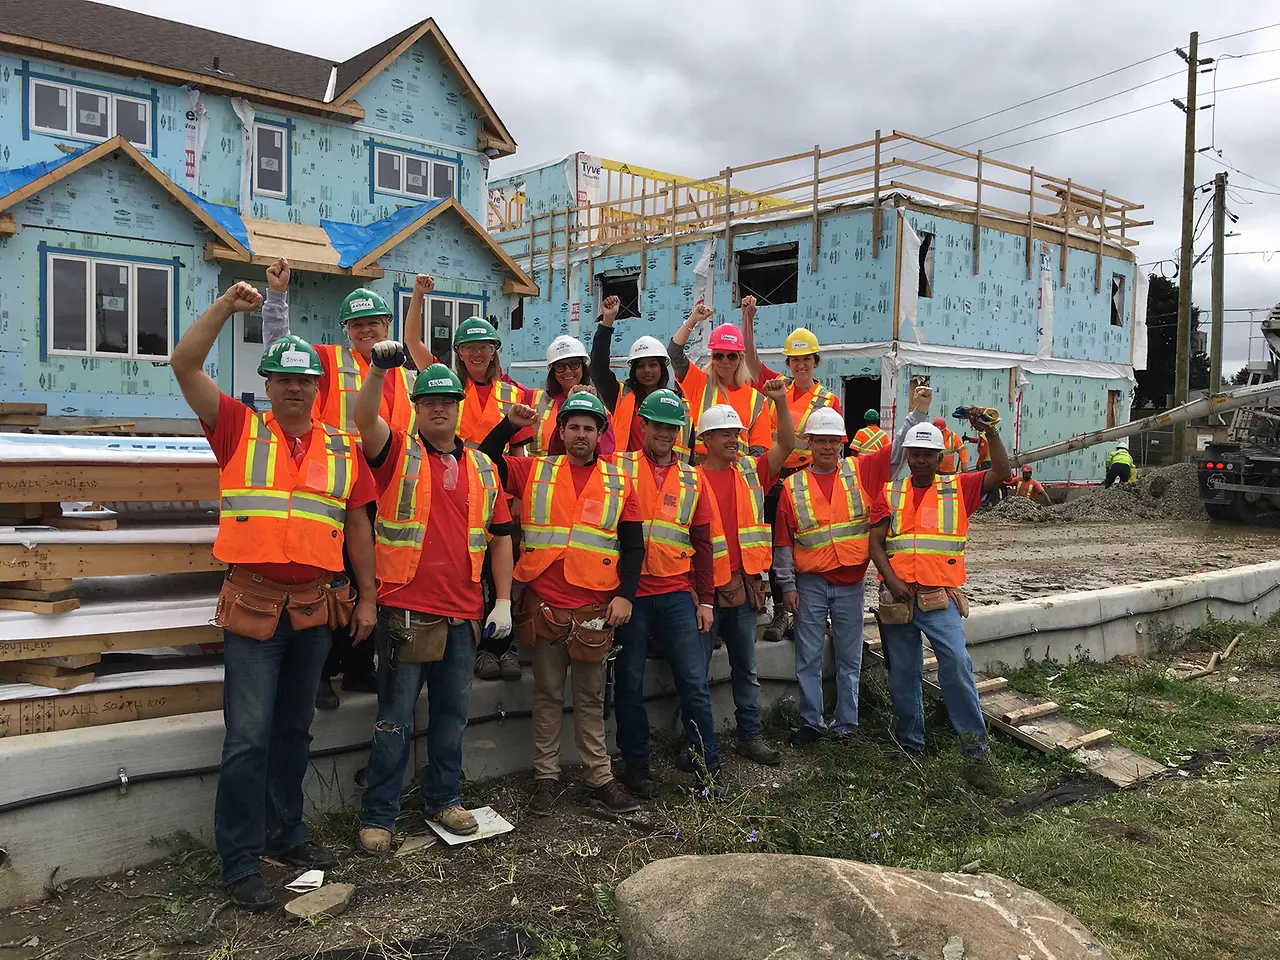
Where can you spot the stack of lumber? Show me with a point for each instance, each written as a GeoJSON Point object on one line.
{"type": "Point", "coordinates": [21, 414]}
{"type": "Point", "coordinates": [78, 582]}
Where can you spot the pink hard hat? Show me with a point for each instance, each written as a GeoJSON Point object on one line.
{"type": "Point", "coordinates": [726, 337]}
{"type": "Point", "coordinates": [939, 422]}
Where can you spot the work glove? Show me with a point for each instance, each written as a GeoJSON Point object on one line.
{"type": "Point", "coordinates": [388, 354]}
{"type": "Point", "coordinates": [499, 623]}
{"type": "Point", "coordinates": [982, 418]}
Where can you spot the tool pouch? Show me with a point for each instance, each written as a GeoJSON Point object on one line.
{"type": "Point", "coordinates": [962, 602]}
{"type": "Point", "coordinates": [340, 603]}
{"type": "Point", "coordinates": [532, 620]}
{"type": "Point", "coordinates": [932, 600]}
{"type": "Point", "coordinates": [417, 637]}
{"type": "Point", "coordinates": [590, 644]}
{"type": "Point", "coordinates": [308, 606]}
{"type": "Point", "coordinates": [757, 592]}
{"type": "Point", "coordinates": [250, 607]}
{"type": "Point", "coordinates": [733, 593]}
{"type": "Point", "coordinates": [893, 611]}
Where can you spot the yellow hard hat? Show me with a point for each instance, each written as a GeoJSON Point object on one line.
{"type": "Point", "coordinates": [800, 343]}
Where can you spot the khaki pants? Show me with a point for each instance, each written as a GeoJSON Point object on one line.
{"type": "Point", "coordinates": [550, 664]}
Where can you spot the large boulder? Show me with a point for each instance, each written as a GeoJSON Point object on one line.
{"type": "Point", "coordinates": [752, 906]}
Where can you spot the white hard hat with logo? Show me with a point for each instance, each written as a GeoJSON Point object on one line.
{"type": "Point", "coordinates": [824, 422]}
{"type": "Point", "coordinates": [646, 347]}
{"type": "Point", "coordinates": [565, 348]}
{"type": "Point", "coordinates": [923, 436]}
{"type": "Point", "coordinates": [720, 417]}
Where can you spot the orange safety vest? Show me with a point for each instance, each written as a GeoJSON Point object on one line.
{"type": "Point", "coordinates": [957, 454]}
{"type": "Point", "coordinates": [625, 410]}
{"type": "Point", "coordinates": [926, 545]}
{"type": "Point", "coordinates": [829, 534]}
{"type": "Point", "coordinates": [755, 536]}
{"type": "Point", "coordinates": [348, 369]}
{"type": "Point", "coordinates": [747, 400]}
{"type": "Point", "coordinates": [475, 419]}
{"type": "Point", "coordinates": [801, 408]}
{"type": "Point", "coordinates": [555, 522]}
{"type": "Point", "coordinates": [668, 513]}
{"type": "Point", "coordinates": [869, 440]}
{"type": "Point", "coordinates": [276, 511]}
{"type": "Point", "coordinates": [404, 512]}
{"type": "Point", "coordinates": [1025, 488]}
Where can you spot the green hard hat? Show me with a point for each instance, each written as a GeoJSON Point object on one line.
{"type": "Point", "coordinates": [437, 381]}
{"type": "Point", "coordinates": [363, 303]}
{"type": "Point", "coordinates": [872, 416]}
{"type": "Point", "coordinates": [290, 354]}
{"type": "Point", "coordinates": [663, 406]}
{"type": "Point", "coordinates": [476, 330]}
{"type": "Point", "coordinates": [583, 401]}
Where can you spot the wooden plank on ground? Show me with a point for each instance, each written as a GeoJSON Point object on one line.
{"type": "Point", "coordinates": [992, 685]}
{"type": "Point", "coordinates": [1087, 740]}
{"type": "Point", "coordinates": [9, 593]}
{"type": "Point", "coordinates": [109, 643]}
{"type": "Point", "coordinates": [1032, 712]}
{"type": "Point", "coordinates": [28, 409]}
{"type": "Point", "coordinates": [90, 709]}
{"type": "Point", "coordinates": [24, 482]}
{"type": "Point", "coordinates": [52, 561]}
{"type": "Point", "coordinates": [74, 662]}
{"type": "Point", "coordinates": [44, 586]}
{"type": "Point", "coordinates": [40, 606]}
{"type": "Point", "coordinates": [73, 521]}
{"type": "Point", "coordinates": [36, 673]}
{"type": "Point", "coordinates": [19, 420]}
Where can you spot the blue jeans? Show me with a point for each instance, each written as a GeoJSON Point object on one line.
{"type": "Point", "coordinates": [448, 682]}
{"type": "Point", "coordinates": [843, 604]}
{"type": "Point", "coordinates": [736, 626]}
{"type": "Point", "coordinates": [686, 653]}
{"type": "Point", "coordinates": [268, 700]}
{"type": "Point", "coordinates": [904, 656]}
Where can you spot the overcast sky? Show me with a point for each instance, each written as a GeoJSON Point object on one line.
{"type": "Point", "coordinates": [691, 88]}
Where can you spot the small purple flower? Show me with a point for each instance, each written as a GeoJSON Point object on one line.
{"type": "Point", "coordinates": [755, 837]}
{"type": "Point", "coordinates": [677, 836]}
{"type": "Point", "coordinates": [876, 835]}
{"type": "Point", "coordinates": [706, 792]}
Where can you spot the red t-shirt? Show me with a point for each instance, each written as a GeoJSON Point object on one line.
{"type": "Point", "coordinates": [223, 440]}
{"type": "Point", "coordinates": [390, 383]}
{"type": "Point", "coordinates": [526, 397]}
{"type": "Point", "coordinates": [550, 585]}
{"type": "Point", "coordinates": [784, 527]}
{"type": "Point", "coordinates": [442, 584]}
{"type": "Point", "coordinates": [723, 485]}
{"type": "Point", "coordinates": [766, 375]}
{"type": "Point", "coordinates": [635, 440]}
{"type": "Point", "coordinates": [651, 585]}
{"type": "Point", "coordinates": [970, 490]}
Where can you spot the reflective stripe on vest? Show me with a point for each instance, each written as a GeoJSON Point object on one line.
{"type": "Point", "coordinates": [348, 372]}
{"type": "Point", "coordinates": [475, 419]}
{"type": "Point", "coordinates": [819, 397]}
{"type": "Point", "coordinates": [275, 512]}
{"type": "Point", "coordinates": [755, 537]}
{"type": "Point", "coordinates": [869, 439]}
{"type": "Point", "coordinates": [667, 513]}
{"type": "Point", "coordinates": [926, 545]}
{"type": "Point", "coordinates": [829, 534]}
{"type": "Point", "coordinates": [556, 521]}
{"type": "Point", "coordinates": [713, 395]}
{"type": "Point", "coordinates": [1025, 487]}
{"type": "Point", "coordinates": [404, 513]}
{"type": "Point", "coordinates": [544, 406]}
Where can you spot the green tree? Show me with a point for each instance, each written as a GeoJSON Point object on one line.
{"type": "Point", "coordinates": [1155, 384]}
{"type": "Point", "coordinates": [1241, 377]}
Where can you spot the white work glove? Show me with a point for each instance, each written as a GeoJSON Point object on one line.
{"type": "Point", "coordinates": [388, 354]}
{"type": "Point", "coordinates": [499, 623]}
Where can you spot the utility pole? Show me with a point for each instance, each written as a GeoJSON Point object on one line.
{"type": "Point", "coordinates": [1181, 370]}
{"type": "Point", "coordinates": [1219, 232]}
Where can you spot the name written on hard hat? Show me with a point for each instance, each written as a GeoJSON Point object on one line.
{"type": "Point", "coordinates": [798, 344]}
{"type": "Point", "coordinates": [670, 401]}
{"type": "Point", "coordinates": [471, 330]}
{"type": "Point", "coordinates": [363, 304]}
{"type": "Point", "coordinates": [294, 358]}
{"type": "Point", "coordinates": [440, 383]}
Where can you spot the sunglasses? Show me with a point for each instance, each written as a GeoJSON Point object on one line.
{"type": "Point", "coordinates": [563, 365]}
{"type": "Point", "coordinates": [720, 355]}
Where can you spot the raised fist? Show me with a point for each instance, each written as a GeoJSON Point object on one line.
{"type": "Point", "coordinates": [748, 309]}
{"type": "Point", "coordinates": [423, 284]}
{"type": "Point", "coordinates": [775, 390]}
{"type": "Point", "coordinates": [242, 298]}
{"type": "Point", "coordinates": [522, 415]}
{"type": "Point", "coordinates": [921, 397]}
{"type": "Point", "coordinates": [699, 313]}
{"type": "Point", "coordinates": [278, 275]}
{"type": "Point", "coordinates": [610, 308]}
{"type": "Point", "coordinates": [388, 354]}
{"type": "Point", "coordinates": [584, 388]}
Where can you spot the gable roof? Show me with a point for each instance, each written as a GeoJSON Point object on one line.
{"type": "Point", "coordinates": [24, 182]}
{"type": "Point", "coordinates": [122, 41]}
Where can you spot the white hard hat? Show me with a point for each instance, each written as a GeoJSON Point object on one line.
{"type": "Point", "coordinates": [565, 348]}
{"type": "Point", "coordinates": [923, 436]}
{"type": "Point", "coordinates": [1122, 443]}
{"type": "Point", "coordinates": [646, 347]}
{"type": "Point", "coordinates": [824, 422]}
{"type": "Point", "coordinates": [720, 417]}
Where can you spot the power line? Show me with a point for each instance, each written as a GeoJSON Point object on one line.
{"type": "Point", "coordinates": [1230, 166]}
{"type": "Point", "coordinates": [1242, 33]}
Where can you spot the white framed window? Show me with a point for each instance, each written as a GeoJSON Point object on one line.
{"type": "Point", "coordinates": [87, 114]}
{"type": "Point", "coordinates": [100, 307]}
{"type": "Point", "coordinates": [409, 175]}
{"type": "Point", "coordinates": [440, 317]}
{"type": "Point", "coordinates": [270, 160]}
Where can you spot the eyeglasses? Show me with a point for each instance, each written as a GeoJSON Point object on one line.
{"type": "Point", "coordinates": [719, 355]}
{"type": "Point", "coordinates": [477, 348]}
{"type": "Point", "coordinates": [562, 365]}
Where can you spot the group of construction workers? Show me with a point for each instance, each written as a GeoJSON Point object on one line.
{"type": "Point", "coordinates": [594, 521]}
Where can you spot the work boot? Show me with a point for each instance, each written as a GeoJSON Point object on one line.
{"type": "Point", "coordinates": [375, 840]}
{"type": "Point", "coordinates": [308, 854]}
{"type": "Point", "coordinates": [487, 666]}
{"type": "Point", "coordinates": [615, 799]}
{"type": "Point", "coordinates": [981, 774]}
{"type": "Point", "coordinates": [456, 820]}
{"type": "Point", "coordinates": [638, 780]}
{"type": "Point", "coordinates": [509, 665]}
{"type": "Point", "coordinates": [756, 749]}
{"type": "Point", "coordinates": [326, 697]}
{"type": "Point", "coordinates": [804, 735]}
{"type": "Point", "coordinates": [359, 683]}
{"type": "Point", "coordinates": [544, 796]}
{"type": "Point", "coordinates": [779, 625]}
{"type": "Point", "coordinates": [252, 893]}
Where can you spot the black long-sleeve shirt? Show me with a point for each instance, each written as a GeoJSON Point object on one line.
{"type": "Point", "coordinates": [605, 380]}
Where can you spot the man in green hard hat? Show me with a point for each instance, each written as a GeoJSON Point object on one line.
{"type": "Point", "coordinates": [365, 318]}
{"type": "Point", "coordinates": [294, 494]}
{"type": "Point", "coordinates": [870, 438]}
{"type": "Point", "coordinates": [440, 509]}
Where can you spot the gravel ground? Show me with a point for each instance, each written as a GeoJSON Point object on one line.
{"type": "Point", "coordinates": [1169, 493]}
